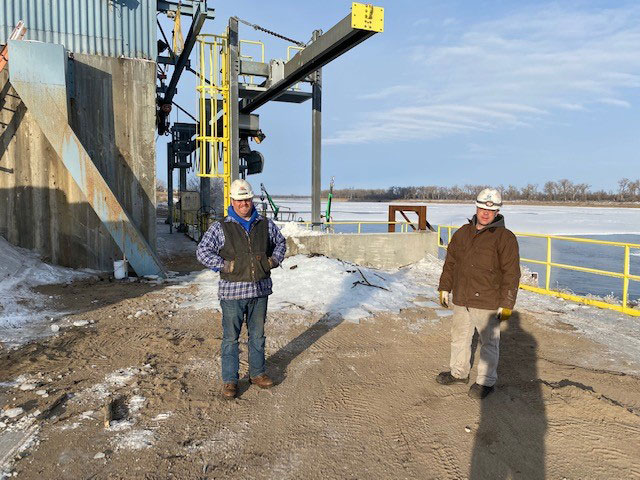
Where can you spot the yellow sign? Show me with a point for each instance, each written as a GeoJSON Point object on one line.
{"type": "Point", "coordinates": [367, 17]}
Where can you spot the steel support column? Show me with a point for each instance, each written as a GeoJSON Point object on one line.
{"type": "Point", "coordinates": [234, 113]}
{"type": "Point", "coordinates": [170, 186]}
{"type": "Point", "coordinates": [205, 193]}
{"type": "Point", "coordinates": [182, 187]}
{"type": "Point", "coordinates": [316, 143]}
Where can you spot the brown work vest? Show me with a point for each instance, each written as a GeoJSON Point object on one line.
{"type": "Point", "coordinates": [250, 252]}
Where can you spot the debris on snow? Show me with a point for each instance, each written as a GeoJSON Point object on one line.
{"type": "Point", "coordinates": [12, 412]}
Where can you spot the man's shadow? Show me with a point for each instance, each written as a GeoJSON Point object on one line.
{"type": "Point", "coordinates": [509, 442]}
{"type": "Point", "coordinates": [278, 362]}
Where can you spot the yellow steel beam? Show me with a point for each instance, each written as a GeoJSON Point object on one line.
{"type": "Point", "coordinates": [367, 17]}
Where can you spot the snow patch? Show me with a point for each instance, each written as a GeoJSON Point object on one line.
{"type": "Point", "coordinates": [16, 439]}
{"type": "Point", "coordinates": [135, 440]}
{"type": "Point", "coordinates": [161, 417]}
{"type": "Point", "coordinates": [20, 306]}
{"type": "Point", "coordinates": [292, 229]}
{"type": "Point", "coordinates": [325, 286]}
{"type": "Point", "coordinates": [116, 379]}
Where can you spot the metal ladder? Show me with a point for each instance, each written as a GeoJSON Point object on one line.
{"type": "Point", "coordinates": [214, 131]}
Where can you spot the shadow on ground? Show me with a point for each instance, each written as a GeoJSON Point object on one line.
{"type": "Point", "coordinates": [278, 363]}
{"type": "Point", "coordinates": [509, 442]}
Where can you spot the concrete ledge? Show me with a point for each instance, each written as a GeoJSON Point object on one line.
{"type": "Point", "coordinates": [377, 250]}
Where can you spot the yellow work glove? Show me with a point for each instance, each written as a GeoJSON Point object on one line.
{"type": "Point", "coordinates": [504, 313]}
{"type": "Point", "coordinates": [444, 299]}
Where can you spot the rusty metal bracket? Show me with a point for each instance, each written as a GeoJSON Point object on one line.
{"type": "Point", "coordinates": [421, 210]}
{"type": "Point", "coordinates": [38, 74]}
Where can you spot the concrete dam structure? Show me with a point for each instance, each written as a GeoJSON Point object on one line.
{"type": "Point", "coordinates": [106, 94]}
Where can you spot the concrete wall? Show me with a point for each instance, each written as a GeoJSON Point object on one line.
{"type": "Point", "coordinates": [378, 250]}
{"type": "Point", "coordinates": [112, 111]}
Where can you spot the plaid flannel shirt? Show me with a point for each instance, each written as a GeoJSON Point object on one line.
{"type": "Point", "coordinates": [208, 254]}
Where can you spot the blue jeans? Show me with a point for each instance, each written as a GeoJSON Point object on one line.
{"type": "Point", "coordinates": [234, 313]}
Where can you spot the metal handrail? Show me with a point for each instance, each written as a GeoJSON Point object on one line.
{"type": "Point", "coordinates": [252, 42]}
{"type": "Point", "coordinates": [625, 275]}
{"type": "Point", "coordinates": [404, 226]}
{"type": "Point", "coordinates": [289, 49]}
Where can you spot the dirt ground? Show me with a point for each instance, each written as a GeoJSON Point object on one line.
{"type": "Point", "coordinates": [352, 401]}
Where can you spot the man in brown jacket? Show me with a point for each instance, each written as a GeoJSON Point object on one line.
{"type": "Point", "coordinates": [482, 269]}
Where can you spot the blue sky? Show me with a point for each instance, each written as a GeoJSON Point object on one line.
{"type": "Point", "coordinates": [455, 92]}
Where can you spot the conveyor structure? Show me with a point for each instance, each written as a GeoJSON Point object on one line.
{"type": "Point", "coordinates": [227, 102]}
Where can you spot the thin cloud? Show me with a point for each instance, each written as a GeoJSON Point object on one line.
{"type": "Point", "coordinates": [576, 107]}
{"type": "Point", "coordinates": [510, 73]}
{"type": "Point", "coordinates": [387, 92]}
{"type": "Point", "coordinates": [615, 102]}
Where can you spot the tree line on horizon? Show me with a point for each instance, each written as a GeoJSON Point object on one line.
{"type": "Point", "coordinates": [563, 190]}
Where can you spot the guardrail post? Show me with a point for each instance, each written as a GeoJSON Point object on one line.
{"type": "Point", "coordinates": [625, 281]}
{"type": "Point", "coordinates": [547, 280]}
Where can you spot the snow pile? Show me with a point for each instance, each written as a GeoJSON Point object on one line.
{"type": "Point", "coordinates": [292, 229]}
{"type": "Point", "coordinates": [326, 286]}
{"type": "Point", "coordinates": [329, 286]}
{"type": "Point", "coordinates": [20, 270]}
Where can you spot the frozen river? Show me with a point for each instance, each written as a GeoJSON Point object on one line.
{"type": "Point", "coordinates": [601, 223]}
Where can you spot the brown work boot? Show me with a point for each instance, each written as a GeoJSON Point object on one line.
{"type": "Point", "coordinates": [263, 381]}
{"type": "Point", "coordinates": [229, 390]}
{"type": "Point", "coordinates": [445, 378]}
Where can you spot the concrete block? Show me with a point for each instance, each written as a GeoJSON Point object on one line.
{"type": "Point", "coordinates": [377, 250]}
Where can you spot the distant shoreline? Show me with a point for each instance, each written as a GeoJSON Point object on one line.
{"type": "Point", "coordinates": [555, 203]}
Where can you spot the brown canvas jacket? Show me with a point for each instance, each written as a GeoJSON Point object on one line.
{"type": "Point", "coordinates": [482, 267]}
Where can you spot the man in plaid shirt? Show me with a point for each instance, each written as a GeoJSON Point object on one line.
{"type": "Point", "coordinates": [244, 247]}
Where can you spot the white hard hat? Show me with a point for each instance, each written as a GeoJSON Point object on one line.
{"type": "Point", "coordinates": [241, 190]}
{"type": "Point", "coordinates": [489, 199]}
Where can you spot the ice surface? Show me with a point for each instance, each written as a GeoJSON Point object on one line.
{"type": "Point", "coordinates": [555, 219]}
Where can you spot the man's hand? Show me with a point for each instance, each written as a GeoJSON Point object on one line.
{"type": "Point", "coordinates": [228, 266]}
{"type": "Point", "coordinates": [504, 313]}
{"type": "Point", "coordinates": [273, 263]}
{"type": "Point", "coordinates": [444, 299]}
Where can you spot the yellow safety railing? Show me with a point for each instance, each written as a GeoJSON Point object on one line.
{"type": "Point", "coordinates": [252, 42]}
{"type": "Point", "coordinates": [250, 57]}
{"type": "Point", "coordinates": [625, 275]}
{"type": "Point", "coordinates": [213, 87]}
{"type": "Point", "coordinates": [404, 226]}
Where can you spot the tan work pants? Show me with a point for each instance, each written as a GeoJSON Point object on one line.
{"type": "Point", "coordinates": [464, 322]}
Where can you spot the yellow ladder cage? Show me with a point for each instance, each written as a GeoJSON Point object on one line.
{"type": "Point", "coordinates": [214, 130]}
